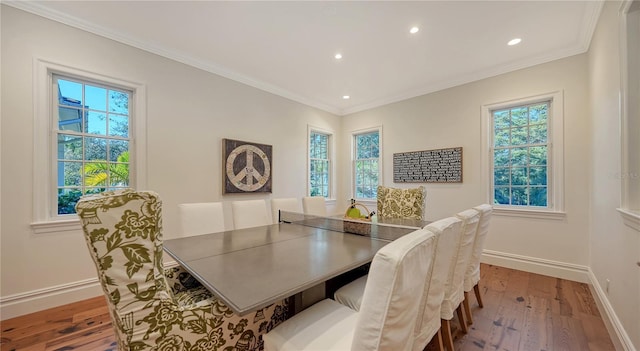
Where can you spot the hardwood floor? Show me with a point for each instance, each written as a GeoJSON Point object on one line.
{"type": "Point", "coordinates": [522, 311]}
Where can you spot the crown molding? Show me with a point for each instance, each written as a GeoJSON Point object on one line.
{"type": "Point", "coordinates": [589, 22]}
{"type": "Point", "coordinates": [43, 11]}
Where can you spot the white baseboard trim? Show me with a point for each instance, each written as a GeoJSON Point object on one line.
{"type": "Point", "coordinates": [618, 335]}
{"type": "Point", "coordinates": [536, 265]}
{"type": "Point", "coordinates": [572, 272]}
{"type": "Point", "coordinates": [41, 299]}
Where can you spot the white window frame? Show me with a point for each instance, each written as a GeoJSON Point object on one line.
{"type": "Point", "coordinates": [45, 217]}
{"type": "Point", "coordinates": [330, 154]}
{"type": "Point", "coordinates": [629, 115]}
{"type": "Point", "coordinates": [353, 160]}
{"type": "Point", "coordinates": [555, 189]}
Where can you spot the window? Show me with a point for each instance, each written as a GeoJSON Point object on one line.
{"type": "Point", "coordinates": [92, 153]}
{"type": "Point", "coordinates": [366, 165]}
{"type": "Point", "coordinates": [520, 154]}
{"type": "Point", "coordinates": [319, 164]}
{"type": "Point", "coordinates": [523, 148]}
{"type": "Point", "coordinates": [89, 136]}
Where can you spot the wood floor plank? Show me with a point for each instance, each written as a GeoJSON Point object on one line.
{"type": "Point", "coordinates": [523, 312]}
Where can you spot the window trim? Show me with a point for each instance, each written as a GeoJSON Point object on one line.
{"type": "Point", "coordinates": [354, 133]}
{"type": "Point", "coordinates": [556, 156]}
{"type": "Point", "coordinates": [629, 167]}
{"type": "Point", "coordinates": [330, 154]}
{"type": "Point", "coordinates": [44, 220]}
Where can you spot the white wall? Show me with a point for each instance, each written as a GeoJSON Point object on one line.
{"type": "Point", "coordinates": [451, 118]}
{"type": "Point", "coordinates": [188, 113]}
{"type": "Point", "coordinates": [615, 248]}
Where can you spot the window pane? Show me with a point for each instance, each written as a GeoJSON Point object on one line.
{"type": "Point", "coordinates": [501, 157]}
{"type": "Point", "coordinates": [519, 176]}
{"type": "Point", "coordinates": [69, 173]}
{"type": "Point", "coordinates": [501, 119]}
{"type": "Point", "coordinates": [118, 125]}
{"type": "Point", "coordinates": [501, 196]}
{"type": "Point", "coordinates": [501, 176]}
{"type": "Point", "coordinates": [67, 199]}
{"type": "Point", "coordinates": [519, 156]}
{"type": "Point", "coordinates": [96, 123]}
{"type": "Point", "coordinates": [118, 102]}
{"type": "Point", "coordinates": [69, 119]}
{"type": "Point", "coordinates": [538, 196]}
{"type": "Point", "coordinates": [118, 149]}
{"type": "Point", "coordinates": [69, 92]}
{"type": "Point", "coordinates": [502, 137]}
{"type": "Point", "coordinates": [538, 176]}
{"type": "Point", "coordinates": [96, 98]}
{"type": "Point", "coordinates": [119, 174]}
{"type": "Point", "coordinates": [69, 147]}
{"type": "Point", "coordinates": [519, 136]}
{"type": "Point", "coordinates": [95, 148]}
{"type": "Point", "coordinates": [538, 134]}
{"type": "Point", "coordinates": [538, 113]}
{"type": "Point", "coordinates": [538, 155]}
{"type": "Point", "coordinates": [519, 196]}
{"type": "Point", "coordinates": [519, 116]}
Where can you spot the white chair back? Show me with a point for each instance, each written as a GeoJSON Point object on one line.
{"type": "Point", "coordinates": [250, 213]}
{"type": "Point", "coordinates": [472, 276]}
{"type": "Point", "coordinates": [393, 293]}
{"type": "Point", "coordinates": [314, 205]}
{"type": "Point", "coordinates": [201, 218]}
{"type": "Point", "coordinates": [454, 294]}
{"type": "Point", "coordinates": [448, 231]}
{"type": "Point", "coordinates": [285, 204]}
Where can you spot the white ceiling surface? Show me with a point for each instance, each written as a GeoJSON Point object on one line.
{"type": "Point", "coordinates": [288, 47]}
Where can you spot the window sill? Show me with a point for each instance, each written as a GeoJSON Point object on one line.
{"type": "Point", "coordinates": [537, 214]}
{"type": "Point", "coordinates": [67, 225]}
{"type": "Point", "coordinates": [630, 217]}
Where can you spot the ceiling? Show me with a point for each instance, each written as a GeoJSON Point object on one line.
{"type": "Point", "coordinates": [288, 47]}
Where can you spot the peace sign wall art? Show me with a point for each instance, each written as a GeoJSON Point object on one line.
{"type": "Point", "coordinates": [246, 167]}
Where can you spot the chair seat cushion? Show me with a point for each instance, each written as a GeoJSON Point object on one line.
{"type": "Point", "coordinates": [327, 325]}
{"type": "Point", "coordinates": [350, 295]}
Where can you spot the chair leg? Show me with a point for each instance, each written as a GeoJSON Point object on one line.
{"type": "Point", "coordinates": [447, 338]}
{"type": "Point", "coordinates": [437, 339]}
{"type": "Point", "coordinates": [467, 308]}
{"type": "Point", "coordinates": [476, 290]}
{"type": "Point", "coordinates": [461, 319]}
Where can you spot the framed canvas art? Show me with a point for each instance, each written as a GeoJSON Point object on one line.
{"type": "Point", "coordinates": [246, 167]}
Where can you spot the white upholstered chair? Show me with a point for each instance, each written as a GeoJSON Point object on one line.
{"type": "Point", "coordinates": [388, 313]}
{"type": "Point", "coordinates": [285, 204]}
{"type": "Point", "coordinates": [447, 231]}
{"type": "Point", "coordinates": [250, 213]}
{"type": "Point", "coordinates": [454, 293]}
{"type": "Point", "coordinates": [472, 275]}
{"type": "Point", "coordinates": [314, 205]}
{"type": "Point", "coordinates": [200, 218]}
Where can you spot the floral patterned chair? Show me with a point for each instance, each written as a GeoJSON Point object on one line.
{"type": "Point", "coordinates": [401, 203]}
{"type": "Point", "coordinates": [152, 308]}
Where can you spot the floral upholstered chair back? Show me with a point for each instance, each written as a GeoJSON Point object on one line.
{"type": "Point", "coordinates": [401, 203]}
{"type": "Point", "coordinates": [152, 308]}
{"type": "Point", "coordinates": [123, 232]}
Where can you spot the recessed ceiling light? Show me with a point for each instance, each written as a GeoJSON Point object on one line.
{"type": "Point", "coordinates": [338, 56]}
{"type": "Point", "coordinates": [414, 30]}
{"type": "Point", "coordinates": [514, 41]}
{"type": "Point", "coordinates": [346, 97]}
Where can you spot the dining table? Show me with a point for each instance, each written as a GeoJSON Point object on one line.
{"type": "Point", "coordinates": [251, 268]}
